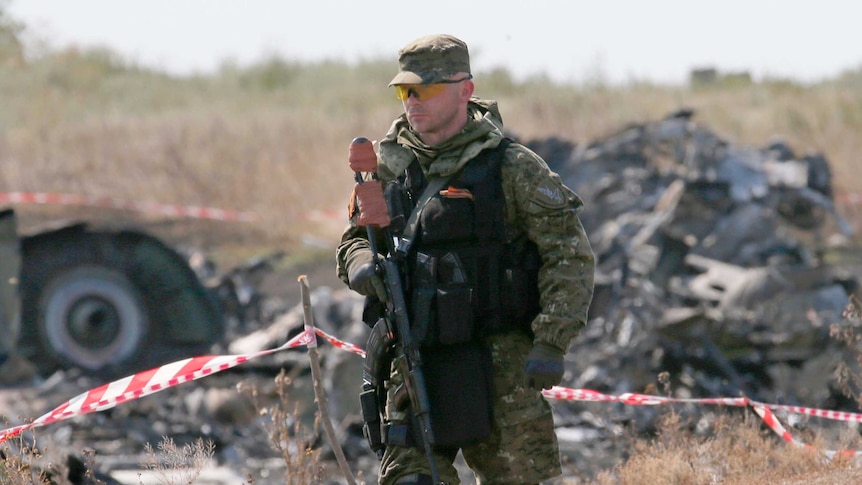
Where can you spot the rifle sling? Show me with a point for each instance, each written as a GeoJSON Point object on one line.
{"type": "Point", "coordinates": [409, 233]}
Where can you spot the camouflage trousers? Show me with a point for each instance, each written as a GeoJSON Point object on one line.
{"type": "Point", "coordinates": [522, 448]}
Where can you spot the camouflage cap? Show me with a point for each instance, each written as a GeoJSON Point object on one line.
{"type": "Point", "coordinates": [431, 59]}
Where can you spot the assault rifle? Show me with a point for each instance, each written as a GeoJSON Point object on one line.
{"type": "Point", "coordinates": [392, 332]}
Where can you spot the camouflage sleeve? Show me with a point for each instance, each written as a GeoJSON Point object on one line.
{"type": "Point", "coordinates": [353, 241]}
{"type": "Point", "coordinates": [546, 211]}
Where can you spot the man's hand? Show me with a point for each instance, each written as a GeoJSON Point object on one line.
{"type": "Point", "coordinates": [363, 278]}
{"type": "Point", "coordinates": [544, 368]}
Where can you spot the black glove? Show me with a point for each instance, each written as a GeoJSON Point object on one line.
{"type": "Point", "coordinates": [544, 368]}
{"type": "Point", "coordinates": [363, 278]}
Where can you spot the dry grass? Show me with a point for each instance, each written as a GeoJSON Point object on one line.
{"type": "Point", "coordinates": [173, 465]}
{"type": "Point", "coordinates": [288, 436]}
{"type": "Point", "coordinates": [273, 138]}
{"type": "Point", "coordinates": [730, 450]}
{"type": "Point", "coordinates": [22, 462]}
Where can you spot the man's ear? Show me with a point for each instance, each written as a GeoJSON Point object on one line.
{"type": "Point", "coordinates": [467, 89]}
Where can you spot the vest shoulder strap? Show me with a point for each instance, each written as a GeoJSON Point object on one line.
{"type": "Point", "coordinates": [435, 185]}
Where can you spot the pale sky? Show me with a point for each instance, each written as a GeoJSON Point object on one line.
{"type": "Point", "coordinates": [614, 40]}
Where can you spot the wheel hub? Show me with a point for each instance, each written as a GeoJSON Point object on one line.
{"type": "Point", "coordinates": [93, 322]}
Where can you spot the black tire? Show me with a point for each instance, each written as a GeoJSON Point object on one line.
{"type": "Point", "coordinates": [110, 303]}
{"type": "Point", "coordinates": [80, 307]}
{"type": "Point", "coordinates": [92, 317]}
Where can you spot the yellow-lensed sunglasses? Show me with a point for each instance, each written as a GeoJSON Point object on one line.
{"type": "Point", "coordinates": [425, 91]}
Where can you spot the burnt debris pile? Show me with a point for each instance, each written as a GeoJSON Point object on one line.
{"type": "Point", "coordinates": [711, 266]}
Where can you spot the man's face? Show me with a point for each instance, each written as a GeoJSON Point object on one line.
{"type": "Point", "coordinates": [439, 112]}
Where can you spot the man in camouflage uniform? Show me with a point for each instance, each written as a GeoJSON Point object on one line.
{"type": "Point", "coordinates": [450, 133]}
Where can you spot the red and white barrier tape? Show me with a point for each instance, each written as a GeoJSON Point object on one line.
{"type": "Point", "coordinates": [765, 411]}
{"type": "Point", "coordinates": [175, 373]}
{"type": "Point", "coordinates": [114, 203]}
{"type": "Point", "coordinates": [340, 344]}
{"type": "Point", "coordinates": [769, 418]}
{"type": "Point", "coordinates": [321, 215]}
{"type": "Point", "coordinates": [146, 383]}
{"type": "Point", "coordinates": [849, 198]}
{"type": "Point", "coordinates": [634, 399]}
{"type": "Point", "coordinates": [173, 210]}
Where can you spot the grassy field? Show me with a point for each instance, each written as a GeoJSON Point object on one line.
{"type": "Point", "coordinates": [273, 139]}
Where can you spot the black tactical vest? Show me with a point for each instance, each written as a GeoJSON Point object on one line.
{"type": "Point", "coordinates": [466, 277]}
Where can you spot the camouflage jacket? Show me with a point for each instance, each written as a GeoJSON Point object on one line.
{"type": "Point", "coordinates": [538, 205]}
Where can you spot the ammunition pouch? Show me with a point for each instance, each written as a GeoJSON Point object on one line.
{"type": "Point", "coordinates": [443, 315]}
{"type": "Point", "coordinates": [466, 293]}
{"type": "Point", "coordinates": [400, 434]}
{"type": "Point", "coordinates": [372, 425]}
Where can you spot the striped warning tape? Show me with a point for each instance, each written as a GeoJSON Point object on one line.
{"type": "Point", "coordinates": [340, 344]}
{"type": "Point", "coordinates": [170, 375]}
{"type": "Point", "coordinates": [320, 215]}
{"type": "Point", "coordinates": [172, 210]}
{"type": "Point", "coordinates": [765, 411]}
{"type": "Point", "coordinates": [146, 383]}
{"type": "Point", "coordinates": [771, 420]}
{"type": "Point", "coordinates": [848, 198]}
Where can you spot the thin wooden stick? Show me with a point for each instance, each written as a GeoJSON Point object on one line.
{"type": "Point", "coordinates": [319, 393]}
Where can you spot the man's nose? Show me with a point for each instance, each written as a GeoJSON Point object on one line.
{"type": "Point", "coordinates": [412, 97]}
